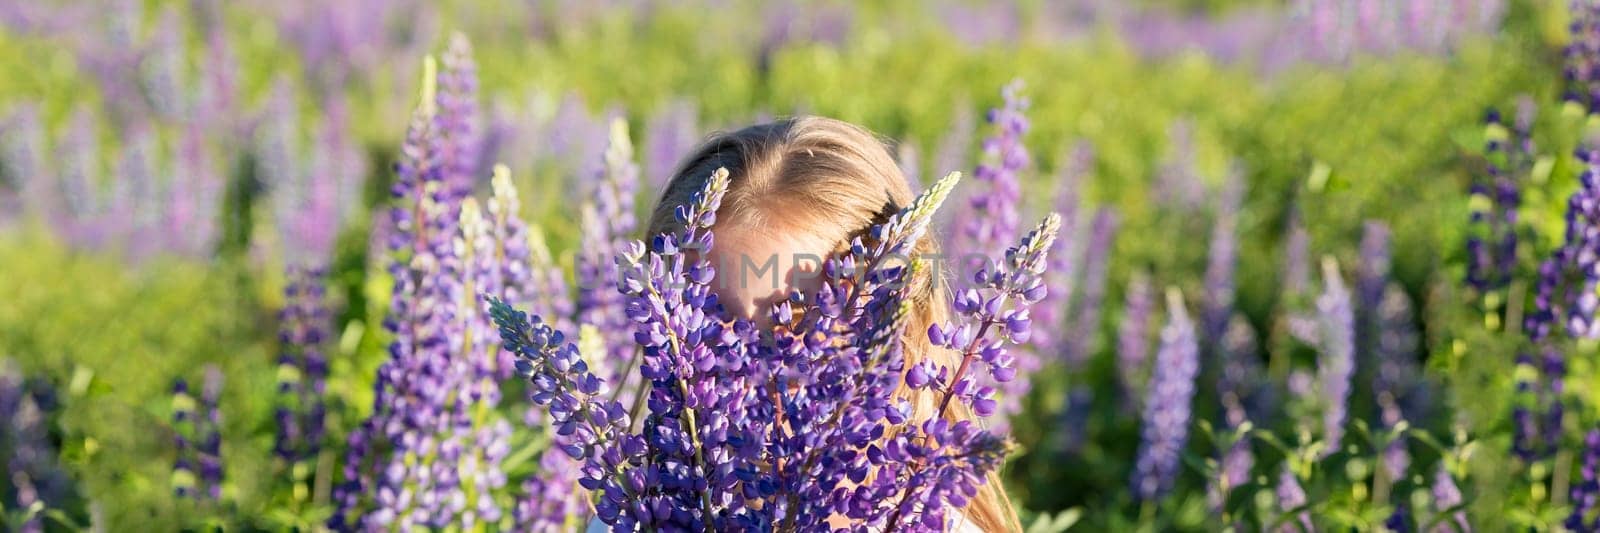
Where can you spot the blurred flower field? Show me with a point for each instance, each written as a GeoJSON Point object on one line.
{"type": "Point", "coordinates": [1320, 265]}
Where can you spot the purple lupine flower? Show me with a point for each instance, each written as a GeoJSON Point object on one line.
{"type": "Point", "coordinates": [430, 453]}
{"type": "Point", "coordinates": [83, 204]}
{"type": "Point", "coordinates": [504, 128]}
{"type": "Point", "coordinates": [459, 120]}
{"type": "Point", "coordinates": [136, 195]}
{"type": "Point", "coordinates": [1582, 248]}
{"type": "Point", "coordinates": [1582, 69]}
{"type": "Point", "coordinates": [1565, 289]}
{"type": "Point", "coordinates": [1492, 242]}
{"type": "Point", "coordinates": [1396, 375]}
{"type": "Point", "coordinates": [414, 387]}
{"type": "Point", "coordinates": [1372, 276]}
{"type": "Point", "coordinates": [512, 270]}
{"type": "Point", "coordinates": [115, 59]}
{"type": "Point", "coordinates": [277, 158]}
{"type": "Point", "coordinates": [336, 156]}
{"type": "Point", "coordinates": [197, 470]}
{"type": "Point", "coordinates": [194, 196]}
{"type": "Point", "coordinates": [1387, 341]}
{"type": "Point", "coordinates": [1062, 275]}
{"type": "Point", "coordinates": [218, 83]}
{"type": "Point", "coordinates": [1096, 264]}
{"type": "Point", "coordinates": [979, 25]}
{"type": "Point", "coordinates": [1301, 322]}
{"type": "Point", "coordinates": [1235, 464]}
{"type": "Point", "coordinates": [862, 288]}
{"type": "Point", "coordinates": [673, 311]}
{"type": "Point", "coordinates": [162, 69]}
{"type": "Point", "coordinates": [576, 140]}
{"type": "Point", "coordinates": [1554, 370]}
{"type": "Point", "coordinates": [310, 182]}
{"type": "Point", "coordinates": [547, 285]}
{"type": "Point", "coordinates": [1000, 299]}
{"type": "Point", "coordinates": [22, 164]}
{"type": "Point", "coordinates": [672, 132]}
{"type": "Point", "coordinates": [184, 479]}
{"type": "Point", "coordinates": [991, 212]}
{"type": "Point", "coordinates": [210, 433]}
{"type": "Point", "coordinates": [482, 263]}
{"type": "Point", "coordinates": [1239, 381]}
{"type": "Point", "coordinates": [608, 225]}
{"type": "Point", "coordinates": [31, 466]}
{"type": "Point", "coordinates": [1524, 428]}
{"type": "Point", "coordinates": [27, 497]}
{"type": "Point", "coordinates": [575, 398]}
{"type": "Point", "coordinates": [1336, 328]}
{"type": "Point", "coordinates": [1292, 499]}
{"type": "Point", "coordinates": [1178, 183]}
{"type": "Point", "coordinates": [1239, 386]}
{"type": "Point", "coordinates": [302, 366]}
{"type": "Point", "coordinates": [1166, 407]}
{"type": "Point", "coordinates": [1447, 499]}
{"type": "Point", "coordinates": [551, 499]}
{"type": "Point", "coordinates": [1221, 260]}
{"type": "Point", "coordinates": [1586, 491]}
{"type": "Point", "coordinates": [1133, 337]}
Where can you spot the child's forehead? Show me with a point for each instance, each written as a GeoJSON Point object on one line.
{"type": "Point", "coordinates": [761, 242]}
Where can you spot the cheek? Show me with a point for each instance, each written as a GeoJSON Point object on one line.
{"type": "Point", "coordinates": [739, 288]}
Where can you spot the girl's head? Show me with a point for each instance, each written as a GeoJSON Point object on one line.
{"type": "Point", "coordinates": [801, 189]}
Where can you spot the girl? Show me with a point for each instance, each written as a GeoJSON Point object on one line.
{"type": "Point", "coordinates": [800, 190]}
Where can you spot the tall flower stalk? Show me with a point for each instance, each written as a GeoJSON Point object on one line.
{"type": "Point", "coordinates": [430, 453]}
{"type": "Point", "coordinates": [1395, 380]}
{"type": "Point", "coordinates": [1133, 337]}
{"type": "Point", "coordinates": [608, 225]}
{"type": "Point", "coordinates": [313, 191]}
{"type": "Point", "coordinates": [1565, 302]}
{"type": "Point", "coordinates": [1239, 387]}
{"type": "Point", "coordinates": [1494, 223]}
{"type": "Point", "coordinates": [1586, 492]}
{"type": "Point", "coordinates": [990, 215]}
{"type": "Point", "coordinates": [1167, 404]}
{"type": "Point", "coordinates": [1336, 361]}
{"type": "Point", "coordinates": [1221, 261]}
{"type": "Point", "coordinates": [304, 336]}
{"type": "Point", "coordinates": [1086, 312]}
{"type": "Point", "coordinates": [32, 469]}
{"type": "Point", "coordinates": [672, 131]}
{"type": "Point", "coordinates": [197, 428]}
{"type": "Point", "coordinates": [1062, 276]}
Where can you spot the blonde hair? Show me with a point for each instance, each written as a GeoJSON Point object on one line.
{"type": "Point", "coordinates": [834, 180]}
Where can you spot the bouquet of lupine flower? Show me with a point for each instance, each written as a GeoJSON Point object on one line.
{"type": "Point", "coordinates": [803, 426]}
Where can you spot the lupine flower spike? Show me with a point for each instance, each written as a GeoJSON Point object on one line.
{"type": "Point", "coordinates": [1336, 363]}
{"type": "Point", "coordinates": [1586, 489]}
{"type": "Point", "coordinates": [1166, 406]}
